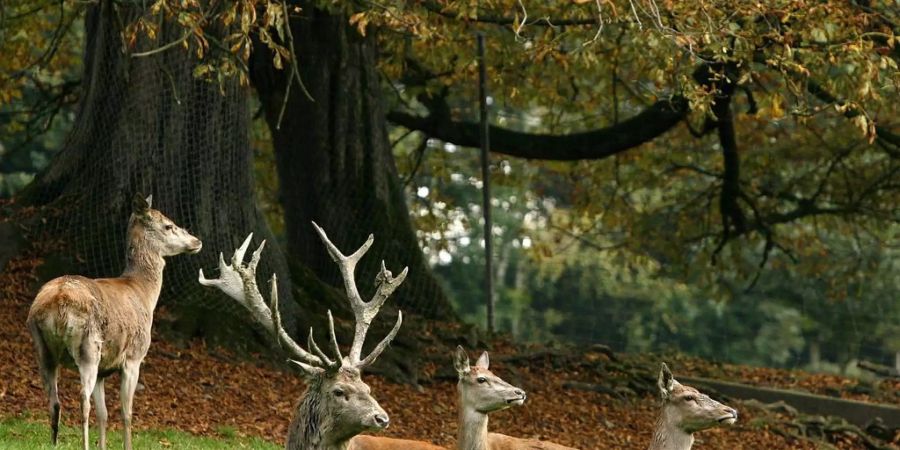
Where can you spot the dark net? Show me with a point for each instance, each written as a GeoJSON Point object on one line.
{"type": "Point", "coordinates": [146, 124]}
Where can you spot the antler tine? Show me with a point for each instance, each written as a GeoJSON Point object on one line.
{"type": "Point", "coordinates": [311, 343]}
{"type": "Point", "coordinates": [364, 312]}
{"type": "Point", "coordinates": [238, 281]}
{"type": "Point", "coordinates": [385, 285]}
{"type": "Point", "coordinates": [376, 352]}
{"type": "Point", "coordinates": [237, 259]}
{"type": "Point", "coordinates": [334, 342]}
{"type": "Point", "coordinates": [346, 264]}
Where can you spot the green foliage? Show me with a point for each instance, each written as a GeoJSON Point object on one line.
{"type": "Point", "coordinates": [637, 249]}
{"type": "Point", "coordinates": [590, 288]}
{"type": "Point", "coordinates": [23, 434]}
{"type": "Point", "coordinates": [40, 44]}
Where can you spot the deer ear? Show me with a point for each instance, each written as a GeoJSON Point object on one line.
{"type": "Point", "coordinates": [483, 361]}
{"type": "Point", "coordinates": [461, 361]}
{"type": "Point", "coordinates": [139, 205]}
{"type": "Point", "coordinates": [149, 200]}
{"type": "Point", "coordinates": [665, 381]}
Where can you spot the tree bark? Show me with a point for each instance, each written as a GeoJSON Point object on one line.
{"type": "Point", "coordinates": [148, 125]}
{"type": "Point", "coordinates": [334, 159]}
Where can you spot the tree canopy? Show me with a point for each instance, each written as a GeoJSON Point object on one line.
{"type": "Point", "coordinates": [762, 121]}
{"type": "Point", "coordinates": [710, 141]}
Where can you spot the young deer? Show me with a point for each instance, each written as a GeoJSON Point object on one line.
{"type": "Point", "coordinates": [481, 393]}
{"type": "Point", "coordinates": [337, 404]}
{"type": "Point", "coordinates": [102, 326]}
{"type": "Point", "coordinates": [685, 411]}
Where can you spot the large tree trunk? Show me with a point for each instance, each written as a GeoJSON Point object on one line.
{"type": "Point", "coordinates": [334, 160]}
{"type": "Point", "coordinates": [147, 125]}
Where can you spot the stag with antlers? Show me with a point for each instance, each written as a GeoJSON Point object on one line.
{"type": "Point", "coordinates": [337, 404]}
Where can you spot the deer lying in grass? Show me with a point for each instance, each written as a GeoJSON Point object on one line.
{"type": "Point", "coordinates": [102, 326]}
{"type": "Point", "coordinates": [337, 404]}
{"type": "Point", "coordinates": [480, 394]}
{"type": "Point", "coordinates": [365, 442]}
{"type": "Point", "coordinates": [685, 411]}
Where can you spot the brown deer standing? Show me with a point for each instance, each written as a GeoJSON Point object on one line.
{"type": "Point", "coordinates": [337, 404]}
{"type": "Point", "coordinates": [480, 394]}
{"type": "Point", "coordinates": [102, 326]}
{"type": "Point", "coordinates": [685, 411]}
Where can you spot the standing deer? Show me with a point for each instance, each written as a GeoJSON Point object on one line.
{"type": "Point", "coordinates": [685, 411]}
{"type": "Point", "coordinates": [102, 326]}
{"type": "Point", "coordinates": [337, 404]}
{"type": "Point", "coordinates": [480, 394]}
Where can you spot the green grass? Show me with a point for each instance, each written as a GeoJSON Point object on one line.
{"type": "Point", "coordinates": [24, 434]}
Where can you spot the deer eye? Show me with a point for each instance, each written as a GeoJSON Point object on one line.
{"type": "Point", "coordinates": [690, 398]}
{"type": "Point", "coordinates": [482, 379]}
{"type": "Point", "coordinates": [169, 227]}
{"type": "Point", "coordinates": [338, 393]}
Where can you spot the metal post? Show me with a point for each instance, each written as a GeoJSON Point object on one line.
{"type": "Point", "coordinates": [486, 183]}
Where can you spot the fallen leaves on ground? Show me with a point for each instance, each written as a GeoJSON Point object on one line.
{"type": "Point", "coordinates": [209, 391]}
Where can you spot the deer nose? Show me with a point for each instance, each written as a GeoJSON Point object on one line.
{"type": "Point", "coordinates": [382, 420]}
{"type": "Point", "coordinates": [520, 393]}
{"type": "Point", "coordinates": [733, 412]}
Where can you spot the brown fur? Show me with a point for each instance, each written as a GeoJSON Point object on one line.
{"type": "Point", "coordinates": [327, 421]}
{"type": "Point", "coordinates": [685, 411]}
{"type": "Point", "coordinates": [480, 394]}
{"type": "Point", "coordinates": [366, 442]}
{"type": "Point", "coordinates": [107, 307]}
{"type": "Point", "coordinates": [497, 441]}
{"type": "Point", "coordinates": [102, 326]}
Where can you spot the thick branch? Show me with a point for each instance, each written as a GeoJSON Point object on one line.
{"type": "Point", "coordinates": [732, 215]}
{"type": "Point", "coordinates": [596, 144]}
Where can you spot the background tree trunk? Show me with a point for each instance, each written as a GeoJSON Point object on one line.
{"type": "Point", "coordinates": [334, 159]}
{"type": "Point", "coordinates": [146, 124]}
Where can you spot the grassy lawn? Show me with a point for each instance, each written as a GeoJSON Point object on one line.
{"type": "Point", "coordinates": [24, 434]}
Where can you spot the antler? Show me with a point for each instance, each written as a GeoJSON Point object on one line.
{"type": "Point", "coordinates": [364, 312]}
{"type": "Point", "coordinates": [238, 281]}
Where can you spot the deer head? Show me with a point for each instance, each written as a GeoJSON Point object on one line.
{"type": "Point", "coordinates": [338, 404]}
{"type": "Point", "coordinates": [687, 409]}
{"type": "Point", "coordinates": [479, 389]}
{"type": "Point", "coordinates": [149, 231]}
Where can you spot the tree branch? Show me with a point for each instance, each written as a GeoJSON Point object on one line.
{"type": "Point", "coordinates": [602, 143]}
{"type": "Point", "coordinates": [436, 8]}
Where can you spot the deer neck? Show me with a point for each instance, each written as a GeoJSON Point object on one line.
{"type": "Point", "coordinates": [473, 429]}
{"type": "Point", "coordinates": [667, 436]}
{"type": "Point", "coordinates": [144, 267]}
{"type": "Point", "coordinates": [311, 429]}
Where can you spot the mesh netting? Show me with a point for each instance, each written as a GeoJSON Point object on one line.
{"type": "Point", "coordinates": [147, 125]}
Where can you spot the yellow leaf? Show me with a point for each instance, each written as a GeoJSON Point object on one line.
{"type": "Point", "coordinates": [777, 110]}
{"type": "Point", "coordinates": [862, 123]}
{"type": "Point", "coordinates": [360, 20]}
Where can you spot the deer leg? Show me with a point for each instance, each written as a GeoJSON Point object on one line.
{"type": "Point", "coordinates": [130, 372]}
{"type": "Point", "coordinates": [88, 371]}
{"type": "Point", "coordinates": [100, 405]}
{"type": "Point", "coordinates": [49, 370]}
{"type": "Point", "coordinates": [51, 377]}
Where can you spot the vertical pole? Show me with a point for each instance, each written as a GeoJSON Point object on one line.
{"type": "Point", "coordinates": [486, 185]}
